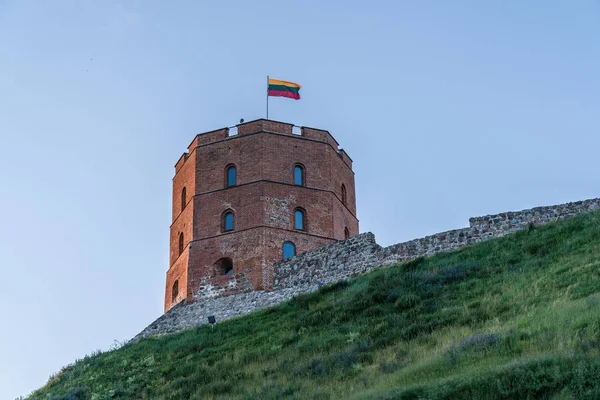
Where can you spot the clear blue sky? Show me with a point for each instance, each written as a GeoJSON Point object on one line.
{"type": "Point", "coordinates": [448, 110]}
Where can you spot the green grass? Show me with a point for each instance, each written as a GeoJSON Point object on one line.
{"type": "Point", "coordinates": [513, 318]}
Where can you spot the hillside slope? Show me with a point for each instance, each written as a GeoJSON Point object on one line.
{"type": "Point", "coordinates": [517, 317]}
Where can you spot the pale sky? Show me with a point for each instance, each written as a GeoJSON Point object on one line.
{"type": "Point", "coordinates": [448, 111]}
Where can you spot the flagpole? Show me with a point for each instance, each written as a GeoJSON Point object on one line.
{"type": "Point", "coordinates": [267, 96]}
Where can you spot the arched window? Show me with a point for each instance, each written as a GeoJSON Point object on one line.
{"type": "Point", "coordinates": [224, 266]}
{"type": "Point", "coordinates": [183, 198]}
{"type": "Point", "coordinates": [230, 176]}
{"type": "Point", "coordinates": [227, 221]}
{"type": "Point", "coordinates": [344, 194]}
{"type": "Point", "coordinates": [289, 250]}
{"type": "Point", "coordinates": [298, 175]}
{"type": "Point", "coordinates": [346, 233]}
{"type": "Point", "coordinates": [299, 219]}
{"type": "Point", "coordinates": [175, 291]}
{"type": "Point", "coordinates": [180, 243]}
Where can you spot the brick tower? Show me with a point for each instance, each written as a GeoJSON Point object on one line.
{"type": "Point", "coordinates": [243, 201]}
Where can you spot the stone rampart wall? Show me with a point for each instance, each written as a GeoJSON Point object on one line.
{"type": "Point", "coordinates": [222, 286]}
{"type": "Point", "coordinates": [484, 228]}
{"type": "Point", "coordinates": [444, 241]}
{"type": "Point", "coordinates": [510, 221]}
{"type": "Point", "coordinates": [186, 316]}
{"type": "Point", "coordinates": [329, 264]}
{"type": "Point", "coordinates": [343, 260]}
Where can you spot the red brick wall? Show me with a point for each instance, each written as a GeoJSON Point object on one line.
{"type": "Point", "coordinates": [263, 201]}
{"type": "Point", "coordinates": [263, 156]}
{"type": "Point", "coordinates": [177, 272]}
{"type": "Point", "coordinates": [266, 126]}
{"type": "Point", "coordinates": [183, 224]}
{"type": "Point", "coordinates": [343, 219]}
{"type": "Point", "coordinates": [185, 177]}
{"type": "Point", "coordinates": [243, 247]}
{"type": "Point", "coordinates": [208, 137]}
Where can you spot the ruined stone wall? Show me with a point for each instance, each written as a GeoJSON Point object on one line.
{"type": "Point", "coordinates": [186, 316]}
{"type": "Point", "coordinates": [484, 228]}
{"type": "Point", "coordinates": [222, 286]}
{"type": "Point", "coordinates": [298, 275]}
{"type": "Point", "coordinates": [329, 264]}
{"type": "Point", "coordinates": [444, 241]}
{"type": "Point", "coordinates": [345, 259]}
{"type": "Point", "coordinates": [503, 223]}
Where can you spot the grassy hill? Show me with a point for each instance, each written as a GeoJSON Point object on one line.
{"type": "Point", "coordinates": [512, 318]}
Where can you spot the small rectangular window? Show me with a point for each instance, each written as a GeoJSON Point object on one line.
{"type": "Point", "coordinates": [231, 176]}
{"type": "Point", "coordinates": [298, 175]}
{"type": "Point", "coordinates": [228, 222]}
{"type": "Point", "coordinates": [299, 220]}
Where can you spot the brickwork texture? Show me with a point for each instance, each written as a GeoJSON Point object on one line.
{"type": "Point", "coordinates": [263, 201]}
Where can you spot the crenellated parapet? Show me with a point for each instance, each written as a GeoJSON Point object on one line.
{"type": "Point", "coordinates": [263, 126]}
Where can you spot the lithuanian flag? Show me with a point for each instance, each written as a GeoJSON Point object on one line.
{"type": "Point", "coordinates": [283, 89]}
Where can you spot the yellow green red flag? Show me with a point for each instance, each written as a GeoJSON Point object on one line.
{"type": "Point", "coordinates": [283, 89]}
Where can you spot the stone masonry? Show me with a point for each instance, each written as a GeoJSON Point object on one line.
{"type": "Point", "coordinates": [346, 259]}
